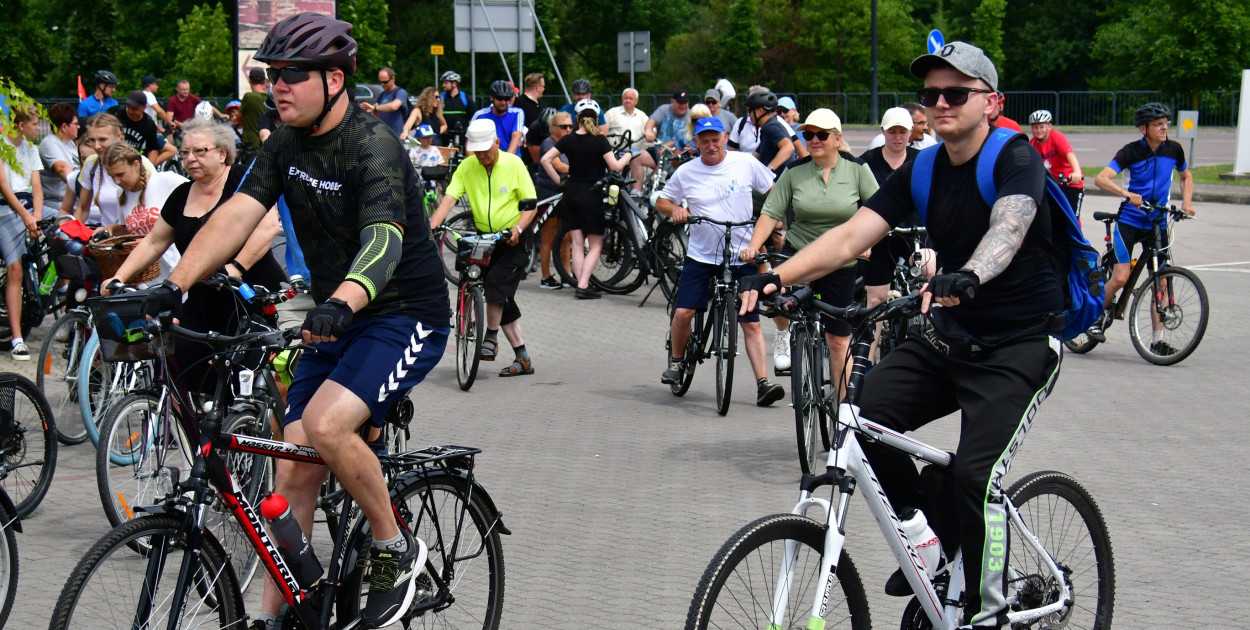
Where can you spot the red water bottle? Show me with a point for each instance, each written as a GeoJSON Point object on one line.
{"type": "Point", "coordinates": [289, 537]}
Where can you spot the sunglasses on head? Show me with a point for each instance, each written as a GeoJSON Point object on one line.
{"type": "Point", "coordinates": [808, 134]}
{"type": "Point", "coordinates": [955, 96]}
{"type": "Point", "coordinates": [290, 74]}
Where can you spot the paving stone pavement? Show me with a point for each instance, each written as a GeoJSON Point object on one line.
{"type": "Point", "coordinates": [619, 493]}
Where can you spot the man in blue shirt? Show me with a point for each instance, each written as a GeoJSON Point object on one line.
{"type": "Point", "coordinates": [100, 100]}
{"type": "Point", "coordinates": [581, 92]}
{"type": "Point", "coordinates": [509, 121]}
{"type": "Point", "coordinates": [1149, 162]}
{"type": "Point", "coordinates": [392, 105]}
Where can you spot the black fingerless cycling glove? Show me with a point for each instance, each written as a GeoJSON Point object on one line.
{"type": "Point", "coordinates": [329, 319]}
{"type": "Point", "coordinates": [960, 284]}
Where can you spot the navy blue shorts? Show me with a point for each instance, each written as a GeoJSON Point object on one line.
{"type": "Point", "coordinates": [1126, 237]}
{"type": "Point", "coordinates": [378, 360]}
{"type": "Point", "coordinates": [695, 290]}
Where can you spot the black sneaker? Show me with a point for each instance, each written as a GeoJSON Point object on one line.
{"type": "Point", "coordinates": [676, 370]}
{"type": "Point", "coordinates": [587, 294]}
{"type": "Point", "coordinates": [549, 283]}
{"type": "Point", "coordinates": [1162, 348]}
{"type": "Point", "coordinates": [391, 582]}
{"type": "Point", "coordinates": [768, 392]}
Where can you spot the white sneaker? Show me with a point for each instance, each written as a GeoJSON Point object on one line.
{"type": "Point", "coordinates": [781, 351]}
{"type": "Point", "coordinates": [19, 352]}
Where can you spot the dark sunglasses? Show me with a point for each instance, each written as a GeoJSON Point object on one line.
{"type": "Point", "coordinates": [710, 102]}
{"type": "Point", "coordinates": [955, 96]}
{"type": "Point", "coordinates": [565, 126]}
{"type": "Point", "coordinates": [820, 135]}
{"type": "Point", "coordinates": [290, 74]}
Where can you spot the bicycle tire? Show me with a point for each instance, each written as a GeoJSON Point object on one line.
{"type": "Point", "coordinates": [461, 224]}
{"type": "Point", "coordinates": [419, 499]}
{"type": "Point", "coordinates": [1077, 533]}
{"type": "Point", "coordinates": [94, 376]}
{"type": "Point", "coordinates": [109, 581]}
{"type": "Point", "coordinates": [56, 374]}
{"type": "Point", "coordinates": [670, 252]}
{"type": "Point", "coordinates": [8, 565]}
{"type": "Point", "coordinates": [1181, 331]}
{"type": "Point", "coordinates": [254, 475]}
{"type": "Point", "coordinates": [470, 331]}
{"type": "Point", "coordinates": [28, 447]}
{"type": "Point", "coordinates": [805, 383]}
{"type": "Point", "coordinates": [726, 347]}
{"type": "Point", "coordinates": [132, 450]}
{"type": "Point", "coordinates": [691, 357]}
{"type": "Point", "coordinates": [619, 271]}
{"type": "Point", "coordinates": [738, 586]}
{"type": "Point", "coordinates": [1080, 344]}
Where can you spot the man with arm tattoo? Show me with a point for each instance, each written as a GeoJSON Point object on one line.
{"type": "Point", "coordinates": [989, 348]}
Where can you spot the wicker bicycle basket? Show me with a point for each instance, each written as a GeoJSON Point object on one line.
{"type": "Point", "coordinates": [110, 253]}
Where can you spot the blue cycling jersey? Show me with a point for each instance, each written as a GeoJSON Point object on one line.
{"type": "Point", "coordinates": [1149, 174]}
{"type": "Point", "coordinates": [511, 121]}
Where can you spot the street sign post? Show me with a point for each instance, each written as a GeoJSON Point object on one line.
{"type": "Point", "coordinates": [935, 41]}
{"type": "Point", "coordinates": [1187, 127]}
{"type": "Point", "coordinates": [633, 53]}
{"type": "Point", "coordinates": [437, 51]}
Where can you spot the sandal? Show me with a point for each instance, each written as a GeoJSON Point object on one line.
{"type": "Point", "coordinates": [519, 367]}
{"type": "Point", "coordinates": [490, 348]}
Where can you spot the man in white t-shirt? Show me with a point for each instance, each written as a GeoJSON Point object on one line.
{"type": "Point", "coordinates": [718, 185]}
{"type": "Point", "coordinates": [153, 109]}
{"type": "Point", "coordinates": [726, 89]}
{"type": "Point", "coordinates": [627, 117]}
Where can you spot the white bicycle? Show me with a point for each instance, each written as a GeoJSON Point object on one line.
{"type": "Point", "coordinates": [792, 571]}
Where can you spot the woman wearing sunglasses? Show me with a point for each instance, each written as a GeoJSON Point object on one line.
{"type": "Point", "coordinates": [825, 190]}
{"type": "Point", "coordinates": [560, 124]}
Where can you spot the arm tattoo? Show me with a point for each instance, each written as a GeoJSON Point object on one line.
{"type": "Point", "coordinates": [1009, 221]}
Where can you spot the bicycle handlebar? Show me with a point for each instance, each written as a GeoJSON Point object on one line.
{"type": "Point", "coordinates": [803, 297]}
{"type": "Point", "coordinates": [729, 224]}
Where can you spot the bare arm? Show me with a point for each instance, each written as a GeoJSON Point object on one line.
{"type": "Point", "coordinates": [614, 163]}
{"type": "Point", "coordinates": [70, 200]}
{"type": "Point", "coordinates": [763, 229]}
{"type": "Point", "coordinates": [672, 210]}
{"type": "Point", "coordinates": [648, 130]}
{"type": "Point", "coordinates": [1009, 222]}
{"type": "Point", "coordinates": [785, 150]}
{"type": "Point", "coordinates": [414, 118]}
{"type": "Point", "coordinates": [515, 143]}
{"type": "Point", "coordinates": [548, 161]}
{"type": "Point", "coordinates": [224, 234]}
{"type": "Point", "coordinates": [164, 115]}
{"type": "Point", "coordinates": [440, 214]}
{"type": "Point", "coordinates": [1077, 175]}
{"type": "Point", "coordinates": [1103, 181]}
{"type": "Point", "coordinates": [800, 149]}
{"type": "Point", "coordinates": [63, 170]}
{"type": "Point", "coordinates": [259, 243]}
{"type": "Point", "coordinates": [1187, 192]}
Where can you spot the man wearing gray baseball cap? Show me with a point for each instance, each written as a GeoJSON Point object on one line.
{"type": "Point", "coordinates": [991, 351]}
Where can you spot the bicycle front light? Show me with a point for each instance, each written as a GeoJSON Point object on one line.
{"type": "Point", "coordinates": [474, 272]}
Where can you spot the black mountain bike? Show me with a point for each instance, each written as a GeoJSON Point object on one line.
{"type": "Point", "coordinates": [27, 443]}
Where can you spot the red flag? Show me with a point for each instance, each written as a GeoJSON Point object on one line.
{"type": "Point", "coordinates": [82, 94]}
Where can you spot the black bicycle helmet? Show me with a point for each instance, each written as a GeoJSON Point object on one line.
{"type": "Point", "coordinates": [311, 38]}
{"type": "Point", "coordinates": [105, 77]}
{"type": "Point", "coordinates": [450, 75]}
{"type": "Point", "coordinates": [1151, 112]}
{"type": "Point", "coordinates": [544, 121]}
{"type": "Point", "coordinates": [765, 100]}
{"type": "Point", "coordinates": [502, 89]}
{"type": "Point", "coordinates": [581, 86]}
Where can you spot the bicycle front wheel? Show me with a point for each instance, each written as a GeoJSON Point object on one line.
{"type": "Point", "coordinates": [670, 250]}
{"type": "Point", "coordinates": [113, 587]}
{"type": "Point", "coordinates": [134, 448]}
{"type": "Point", "coordinates": [56, 374]}
{"type": "Point", "coordinates": [470, 331]}
{"type": "Point", "coordinates": [459, 588]}
{"type": "Point", "coordinates": [27, 443]}
{"type": "Point", "coordinates": [255, 476]}
{"type": "Point", "coordinates": [1063, 516]}
{"type": "Point", "coordinates": [1080, 344]}
{"type": "Point", "coordinates": [619, 271]}
{"type": "Point", "coordinates": [460, 224]}
{"type": "Point", "coordinates": [8, 567]}
{"type": "Point", "coordinates": [1168, 324]}
{"type": "Point", "coordinates": [725, 343]}
{"type": "Point", "coordinates": [805, 384]}
{"type": "Point", "coordinates": [738, 588]}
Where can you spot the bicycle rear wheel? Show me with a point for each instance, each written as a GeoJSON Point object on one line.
{"type": "Point", "coordinates": [470, 331]}
{"type": "Point", "coordinates": [691, 357]}
{"type": "Point", "coordinates": [670, 249]}
{"type": "Point", "coordinates": [56, 374]}
{"type": "Point", "coordinates": [27, 443]}
{"type": "Point", "coordinates": [1063, 516]}
{"type": "Point", "coordinates": [739, 585]}
{"type": "Point", "coordinates": [1080, 344]}
{"type": "Point", "coordinates": [134, 447]}
{"type": "Point", "coordinates": [1182, 310]}
{"type": "Point", "coordinates": [8, 566]}
{"type": "Point", "coordinates": [437, 510]}
{"type": "Point", "coordinates": [113, 587]}
{"type": "Point", "coordinates": [805, 382]}
{"type": "Point", "coordinates": [725, 346]}
{"type": "Point", "coordinates": [459, 224]}
{"type": "Point", "coordinates": [619, 271]}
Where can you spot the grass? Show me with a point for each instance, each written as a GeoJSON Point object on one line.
{"type": "Point", "coordinates": [1202, 175]}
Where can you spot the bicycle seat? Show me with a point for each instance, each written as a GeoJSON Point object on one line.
{"type": "Point", "coordinates": [434, 173]}
{"type": "Point", "coordinates": [1106, 216]}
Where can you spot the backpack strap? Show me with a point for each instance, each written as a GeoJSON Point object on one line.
{"type": "Point", "coordinates": [986, 160]}
{"type": "Point", "coordinates": [922, 180]}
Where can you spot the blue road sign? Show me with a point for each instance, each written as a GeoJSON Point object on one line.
{"type": "Point", "coordinates": [935, 41]}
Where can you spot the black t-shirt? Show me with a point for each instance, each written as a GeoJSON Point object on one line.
{"type": "Point", "coordinates": [338, 183]}
{"type": "Point", "coordinates": [881, 169]}
{"type": "Point", "coordinates": [1029, 288]}
{"type": "Point", "coordinates": [771, 135]}
{"type": "Point", "coordinates": [586, 165]}
{"type": "Point", "coordinates": [457, 109]}
{"type": "Point", "coordinates": [139, 134]}
{"type": "Point", "coordinates": [531, 110]}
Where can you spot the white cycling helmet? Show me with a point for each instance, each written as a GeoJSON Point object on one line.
{"type": "Point", "coordinates": [586, 105]}
{"type": "Point", "coordinates": [1040, 116]}
{"type": "Point", "coordinates": [204, 110]}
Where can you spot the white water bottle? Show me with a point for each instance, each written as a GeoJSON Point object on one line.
{"type": "Point", "coordinates": [922, 537]}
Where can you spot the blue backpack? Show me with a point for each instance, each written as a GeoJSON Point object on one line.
{"type": "Point", "coordinates": [1083, 302]}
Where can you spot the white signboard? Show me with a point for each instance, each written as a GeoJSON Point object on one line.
{"type": "Point", "coordinates": [505, 26]}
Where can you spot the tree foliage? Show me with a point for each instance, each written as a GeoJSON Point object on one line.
{"type": "Point", "coordinates": [369, 22]}
{"type": "Point", "coordinates": [204, 51]}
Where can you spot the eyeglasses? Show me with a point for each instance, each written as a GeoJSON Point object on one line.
{"type": "Point", "coordinates": [501, 98]}
{"type": "Point", "coordinates": [199, 152]}
{"type": "Point", "coordinates": [819, 135]}
{"type": "Point", "coordinates": [565, 126]}
{"type": "Point", "coordinates": [290, 74]}
{"type": "Point", "coordinates": [955, 96]}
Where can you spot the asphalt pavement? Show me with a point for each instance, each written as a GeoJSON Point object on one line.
{"type": "Point", "coordinates": [618, 493]}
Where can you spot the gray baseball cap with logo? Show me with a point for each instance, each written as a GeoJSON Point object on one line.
{"type": "Point", "coordinates": [961, 56]}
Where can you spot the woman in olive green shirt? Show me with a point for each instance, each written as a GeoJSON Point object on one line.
{"type": "Point", "coordinates": [824, 190]}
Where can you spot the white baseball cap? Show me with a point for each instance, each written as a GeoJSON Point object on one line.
{"type": "Point", "coordinates": [822, 119]}
{"type": "Point", "coordinates": [896, 117]}
{"type": "Point", "coordinates": [480, 136]}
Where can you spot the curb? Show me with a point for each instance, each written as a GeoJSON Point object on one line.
{"type": "Point", "coordinates": [1209, 196]}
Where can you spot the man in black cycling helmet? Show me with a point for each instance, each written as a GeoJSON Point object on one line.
{"type": "Point", "coordinates": [458, 108]}
{"type": "Point", "coordinates": [102, 99]}
{"type": "Point", "coordinates": [581, 92]}
{"type": "Point", "coordinates": [381, 320]}
{"type": "Point", "coordinates": [509, 121]}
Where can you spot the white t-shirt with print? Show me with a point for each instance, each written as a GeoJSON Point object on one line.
{"type": "Point", "coordinates": [149, 110]}
{"type": "Point", "coordinates": [28, 162]}
{"type": "Point", "coordinates": [428, 156]}
{"type": "Point", "coordinates": [140, 218]}
{"type": "Point", "coordinates": [721, 192]}
{"type": "Point", "coordinates": [89, 178]}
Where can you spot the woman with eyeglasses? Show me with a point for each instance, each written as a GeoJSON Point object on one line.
{"type": "Point", "coordinates": [825, 191]}
{"type": "Point", "coordinates": [429, 111]}
{"type": "Point", "coordinates": [208, 154]}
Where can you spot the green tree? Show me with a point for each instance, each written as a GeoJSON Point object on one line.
{"type": "Point", "coordinates": [204, 51]}
{"type": "Point", "coordinates": [987, 30]}
{"type": "Point", "coordinates": [839, 49]}
{"type": "Point", "coordinates": [88, 46]}
{"type": "Point", "coordinates": [1046, 44]}
{"type": "Point", "coordinates": [369, 19]}
{"type": "Point", "coordinates": [738, 52]}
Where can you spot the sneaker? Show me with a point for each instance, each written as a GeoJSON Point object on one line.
{"type": "Point", "coordinates": [587, 294]}
{"type": "Point", "coordinates": [676, 370]}
{"type": "Point", "coordinates": [568, 284]}
{"type": "Point", "coordinates": [391, 582]}
{"type": "Point", "coordinates": [768, 392]}
{"type": "Point", "coordinates": [781, 352]}
{"type": "Point", "coordinates": [1095, 332]}
{"type": "Point", "coordinates": [19, 352]}
{"type": "Point", "coordinates": [549, 283]}
{"type": "Point", "coordinates": [1158, 348]}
